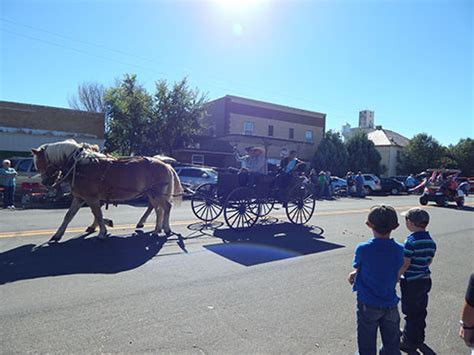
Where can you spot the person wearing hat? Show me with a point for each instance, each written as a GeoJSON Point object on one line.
{"type": "Point", "coordinates": [377, 264]}
{"type": "Point", "coordinates": [415, 282]}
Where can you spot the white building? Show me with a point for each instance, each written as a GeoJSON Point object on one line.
{"type": "Point", "coordinates": [388, 143]}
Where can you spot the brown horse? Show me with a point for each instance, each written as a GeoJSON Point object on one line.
{"type": "Point", "coordinates": [97, 178]}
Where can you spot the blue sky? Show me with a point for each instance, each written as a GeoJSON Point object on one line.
{"type": "Point", "coordinates": [409, 61]}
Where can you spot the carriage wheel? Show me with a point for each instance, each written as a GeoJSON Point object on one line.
{"type": "Point", "coordinates": [205, 204]}
{"type": "Point", "coordinates": [263, 208]}
{"type": "Point", "coordinates": [301, 204]}
{"type": "Point", "coordinates": [241, 209]}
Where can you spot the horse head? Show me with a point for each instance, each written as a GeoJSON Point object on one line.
{"type": "Point", "coordinates": [50, 158]}
{"type": "Point", "coordinates": [49, 173]}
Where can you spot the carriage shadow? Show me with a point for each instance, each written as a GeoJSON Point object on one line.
{"type": "Point", "coordinates": [270, 242]}
{"type": "Point", "coordinates": [79, 255]}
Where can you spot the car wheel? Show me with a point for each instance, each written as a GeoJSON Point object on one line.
{"type": "Point", "coordinates": [423, 200]}
{"type": "Point", "coordinates": [394, 191]}
{"type": "Point", "coordinates": [460, 202]}
{"type": "Point", "coordinates": [367, 190]}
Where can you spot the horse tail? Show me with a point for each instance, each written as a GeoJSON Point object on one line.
{"type": "Point", "coordinates": [176, 188]}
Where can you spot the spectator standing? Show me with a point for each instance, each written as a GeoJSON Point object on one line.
{"type": "Point", "coordinates": [350, 183]}
{"type": "Point", "coordinates": [415, 282]}
{"type": "Point", "coordinates": [377, 264]}
{"type": "Point", "coordinates": [359, 184]}
{"type": "Point", "coordinates": [466, 330]}
{"type": "Point", "coordinates": [322, 183]}
{"type": "Point", "coordinates": [8, 180]}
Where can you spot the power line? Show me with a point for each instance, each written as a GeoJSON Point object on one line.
{"type": "Point", "coordinates": [121, 52]}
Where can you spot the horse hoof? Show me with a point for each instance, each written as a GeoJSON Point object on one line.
{"type": "Point", "coordinates": [139, 226]}
{"type": "Point", "coordinates": [54, 239]}
{"type": "Point", "coordinates": [90, 230]}
{"type": "Point", "coordinates": [109, 222]}
{"type": "Point", "coordinates": [102, 236]}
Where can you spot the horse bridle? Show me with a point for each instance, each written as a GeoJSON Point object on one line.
{"type": "Point", "coordinates": [60, 174]}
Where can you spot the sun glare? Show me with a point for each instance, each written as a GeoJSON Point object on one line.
{"type": "Point", "coordinates": [237, 5]}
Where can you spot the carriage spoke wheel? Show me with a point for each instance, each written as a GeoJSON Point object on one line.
{"type": "Point", "coordinates": [205, 204]}
{"type": "Point", "coordinates": [301, 204]}
{"type": "Point", "coordinates": [241, 209]}
{"type": "Point", "coordinates": [263, 208]}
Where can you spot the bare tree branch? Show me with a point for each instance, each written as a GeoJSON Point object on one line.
{"type": "Point", "coordinates": [89, 97]}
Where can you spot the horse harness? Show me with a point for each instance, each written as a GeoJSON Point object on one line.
{"type": "Point", "coordinates": [70, 169]}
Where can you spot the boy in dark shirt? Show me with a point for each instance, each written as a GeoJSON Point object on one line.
{"type": "Point", "coordinates": [415, 282]}
{"type": "Point", "coordinates": [377, 263]}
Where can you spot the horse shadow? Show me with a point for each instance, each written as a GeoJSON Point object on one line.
{"type": "Point", "coordinates": [79, 255]}
{"type": "Point", "coordinates": [270, 242]}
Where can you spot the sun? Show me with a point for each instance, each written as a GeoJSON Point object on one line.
{"type": "Point", "coordinates": [237, 5]}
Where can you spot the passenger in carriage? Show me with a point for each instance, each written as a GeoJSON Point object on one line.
{"type": "Point", "coordinates": [253, 165]}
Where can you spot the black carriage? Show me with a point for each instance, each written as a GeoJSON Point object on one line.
{"type": "Point", "coordinates": [243, 204]}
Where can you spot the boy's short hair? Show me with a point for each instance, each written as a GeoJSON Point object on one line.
{"type": "Point", "coordinates": [383, 219]}
{"type": "Point", "coordinates": [418, 216]}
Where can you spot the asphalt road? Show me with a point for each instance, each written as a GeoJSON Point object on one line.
{"type": "Point", "coordinates": [280, 289]}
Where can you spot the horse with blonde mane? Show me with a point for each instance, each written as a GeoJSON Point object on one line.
{"type": "Point", "coordinates": [96, 178]}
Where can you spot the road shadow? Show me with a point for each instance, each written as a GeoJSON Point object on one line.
{"type": "Point", "coordinates": [266, 243]}
{"type": "Point", "coordinates": [79, 255]}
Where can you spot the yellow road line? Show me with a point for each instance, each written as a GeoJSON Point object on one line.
{"type": "Point", "coordinates": [40, 232]}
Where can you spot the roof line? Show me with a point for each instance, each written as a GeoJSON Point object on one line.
{"type": "Point", "coordinates": [274, 104]}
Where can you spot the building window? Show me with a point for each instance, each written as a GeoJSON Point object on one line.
{"type": "Point", "coordinates": [248, 128]}
{"type": "Point", "coordinates": [308, 136]}
{"type": "Point", "coordinates": [291, 133]}
{"type": "Point", "coordinates": [270, 131]}
{"type": "Point", "coordinates": [197, 159]}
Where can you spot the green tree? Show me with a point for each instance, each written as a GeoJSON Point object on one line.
{"type": "Point", "coordinates": [421, 153]}
{"type": "Point", "coordinates": [463, 155]}
{"type": "Point", "coordinates": [331, 155]}
{"type": "Point", "coordinates": [128, 116]}
{"type": "Point", "coordinates": [178, 112]}
{"type": "Point", "coordinates": [363, 156]}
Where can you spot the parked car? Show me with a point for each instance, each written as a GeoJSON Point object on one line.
{"type": "Point", "coordinates": [371, 183]}
{"type": "Point", "coordinates": [194, 176]}
{"type": "Point", "coordinates": [392, 186]}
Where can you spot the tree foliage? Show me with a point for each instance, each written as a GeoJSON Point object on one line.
{"type": "Point", "coordinates": [331, 155]}
{"type": "Point", "coordinates": [363, 156]}
{"type": "Point", "coordinates": [128, 115]}
{"type": "Point", "coordinates": [90, 97]}
{"type": "Point", "coordinates": [142, 124]}
{"type": "Point", "coordinates": [178, 112]}
{"type": "Point", "coordinates": [463, 155]}
{"type": "Point", "coordinates": [421, 153]}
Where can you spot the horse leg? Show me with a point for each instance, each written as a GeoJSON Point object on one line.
{"type": "Point", "coordinates": [93, 226]}
{"type": "Point", "coordinates": [76, 204]}
{"type": "Point", "coordinates": [166, 216]}
{"type": "Point", "coordinates": [143, 219]}
{"type": "Point", "coordinates": [155, 202]}
{"type": "Point", "coordinates": [159, 220]}
{"type": "Point", "coordinates": [96, 210]}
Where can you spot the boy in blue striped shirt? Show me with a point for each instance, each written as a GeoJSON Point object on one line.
{"type": "Point", "coordinates": [415, 283]}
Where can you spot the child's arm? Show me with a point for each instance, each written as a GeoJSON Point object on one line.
{"type": "Point", "coordinates": [352, 276]}
{"type": "Point", "coordinates": [405, 266]}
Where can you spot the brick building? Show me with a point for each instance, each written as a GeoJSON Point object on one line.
{"type": "Point", "coordinates": [236, 121]}
{"type": "Point", "coordinates": [25, 126]}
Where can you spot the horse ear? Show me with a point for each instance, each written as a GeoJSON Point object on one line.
{"type": "Point", "coordinates": [35, 151]}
